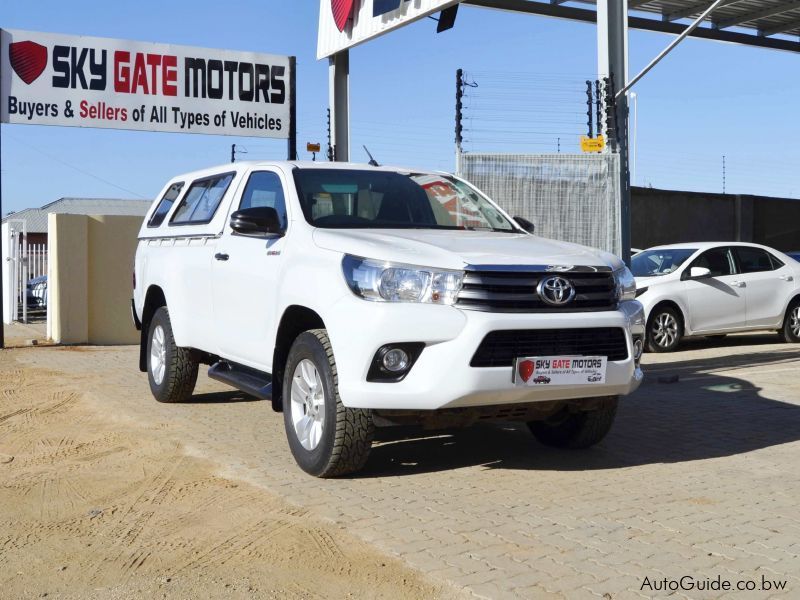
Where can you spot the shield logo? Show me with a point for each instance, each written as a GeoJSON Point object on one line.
{"type": "Point", "coordinates": [526, 369]}
{"type": "Point", "coordinates": [28, 59]}
{"type": "Point", "coordinates": [342, 11]}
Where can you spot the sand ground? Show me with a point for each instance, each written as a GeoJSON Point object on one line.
{"type": "Point", "coordinates": [96, 505]}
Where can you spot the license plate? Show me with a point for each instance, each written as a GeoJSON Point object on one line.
{"type": "Point", "coordinates": [533, 371]}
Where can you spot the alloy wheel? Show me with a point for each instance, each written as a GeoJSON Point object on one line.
{"type": "Point", "coordinates": [794, 321]}
{"type": "Point", "coordinates": [158, 354]}
{"type": "Point", "coordinates": [308, 404]}
{"type": "Point", "coordinates": [665, 330]}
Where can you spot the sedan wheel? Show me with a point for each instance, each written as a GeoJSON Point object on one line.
{"type": "Point", "coordinates": [791, 324]}
{"type": "Point", "coordinates": [665, 331]}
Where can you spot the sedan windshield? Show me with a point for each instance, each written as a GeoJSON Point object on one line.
{"type": "Point", "coordinates": [351, 198]}
{"type": "Point", "coordinates": [652, 263]}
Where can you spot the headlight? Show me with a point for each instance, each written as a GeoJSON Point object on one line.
{"type": "Point", "coordinates": [626, 284]}
{"type": "Point", "coordinates": [388, 282]}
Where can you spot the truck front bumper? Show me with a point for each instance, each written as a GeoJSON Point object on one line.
{"type": "Point", "coordinates": [442, 376]}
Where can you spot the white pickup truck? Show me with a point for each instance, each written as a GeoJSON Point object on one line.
{"type": "Point", "coordinates": [354, 296]}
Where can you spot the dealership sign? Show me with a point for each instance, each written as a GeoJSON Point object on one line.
{"type": "Point", "coordinates": [345, 23]}
{"type": "Point", "coordinates": [75, 81]}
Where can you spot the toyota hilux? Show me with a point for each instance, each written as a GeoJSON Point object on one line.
{"type": "Point", "coordinates": [354, 297]}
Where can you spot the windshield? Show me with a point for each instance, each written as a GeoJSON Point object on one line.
{"type": "Point", "coordinates": [350, 198]}
{"type": "Point", "coordinates": [652, 263]}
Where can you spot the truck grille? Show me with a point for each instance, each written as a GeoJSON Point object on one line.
{"type": "Point", "coordinates": [500, 348]}
{"type": "Point", "coordinates": [515, 291]}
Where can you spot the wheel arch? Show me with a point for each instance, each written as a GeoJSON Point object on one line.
{"type": "Point", "coordinates": [295, 320]}
{"type": "Point", "coordinates": [792, 300]}
{"type": "Point", "coordinates": [154, 299]}
{"type": "Point", "coordinates": [672, 304]}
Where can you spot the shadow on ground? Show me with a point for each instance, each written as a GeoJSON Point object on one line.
{"type": "Point", "coordinates": [701, 416]}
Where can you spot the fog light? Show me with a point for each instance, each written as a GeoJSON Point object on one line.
{"type": "Point", "coordinates": [395, 360]}
{"type": "Point", "coordinates": [638, 348]}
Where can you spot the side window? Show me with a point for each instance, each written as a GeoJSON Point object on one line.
{"type": "Point", "coordinates": [717, 260]}
{"type": "Point", "coordinates": [163, 208]}
{"type": "Point", "coordinates": [753, 260]}
{"type": "Point", "coordinates": [202, 200]}
{"type": "Point", "coordinates": [776, 262]}
{"type": "Point", "coordinates": [264, 188]}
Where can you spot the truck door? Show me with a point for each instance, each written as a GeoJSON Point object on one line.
{"type": "Point", "coordinates": [245, 279]}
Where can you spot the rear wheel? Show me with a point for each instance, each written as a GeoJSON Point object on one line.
{"type": "Point", "coordinates": [171, 370]}
{"type": "Point", "coordinates": [791, 323]}
{"type": "Point", "coordinates": [664, 329]}
{"type": "Point", "coordinates": [576, 430]}
{"type": "Point", "coordinates": [326, 438]}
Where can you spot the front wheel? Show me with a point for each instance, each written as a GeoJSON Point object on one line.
{"type": "Point", "coordinates": [171, 370]}
{"type": "Point", "coordinates": [326, 438]}
{"type": "Point", "coordinates": [664, 330]}
{"type": "Point", "coordinates": [791, 323]}
{"type": "Point", "coordinates": [576, 430]}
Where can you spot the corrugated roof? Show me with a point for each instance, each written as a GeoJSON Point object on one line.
{"type": "Point", "coordinates": [36, 218]}
{"type": "Point", "coordinates": [765, 23]}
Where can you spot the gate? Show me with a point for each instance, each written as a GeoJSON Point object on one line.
{"type": "Point", "coordinates": [574, 198]}
{"type": "Point", "coordinates": [26, 285]}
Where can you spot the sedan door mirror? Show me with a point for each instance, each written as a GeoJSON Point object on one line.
{"type": "Point", "coordinates": [258, 221]}
{"type": "Point", "coordinates": [525, 224]}
{"type": "Point", "coordinates": [699, 273]}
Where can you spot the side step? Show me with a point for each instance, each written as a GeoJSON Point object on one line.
{"type": "Point", "coordinates": [250, 381]}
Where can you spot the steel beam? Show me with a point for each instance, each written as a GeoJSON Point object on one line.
{"type": "Point", "coordinates": [590, 16]}
{"type": "Point", "coordinates": [686, 32]}
{"type": "Point", "coordinates": [339, 99]}
{"type": "Point", "coordinates": [637, 3]}
{"type": "Point", "coordinates": [782, 28]}
{"type": "Point", "coordinates": [612, 61]}
{"type": "Point", "coordinates": [695, 9]}
{"type": "Point", "coordinates": [756, 15]}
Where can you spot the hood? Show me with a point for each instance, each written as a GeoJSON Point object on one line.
{"type": "Point", "coordinates": [448, 249]}
{"type": "Point", "coordinates": [643, 282]}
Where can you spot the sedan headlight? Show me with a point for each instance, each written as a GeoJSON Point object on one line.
{"type": "Point", "coordinates": [389, 282]}
{"type": "Point", "coordinates": [626, 284]}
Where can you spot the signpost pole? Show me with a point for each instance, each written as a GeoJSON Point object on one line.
{"type": "Point", "coordinates": [292, 142]}
{"type": "Point", "coordinates": [339, 88]}
{"type": "Point", "coordinates": [2, 258]}
{"type": "Point", "coordinates": [612, 61]}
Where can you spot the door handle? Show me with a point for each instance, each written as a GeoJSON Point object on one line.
{"type": "Point", "coordinates": [739, 284]}
{"type": "Point", "coordinates": [221, 256]}
{"type": "Point", "coordinates": [787, 278]}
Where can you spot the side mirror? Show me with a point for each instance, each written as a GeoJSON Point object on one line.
{"type": "Point", "coordinates": [525, 224]}
{"type": "Point", "coordinates": [699, 273]}
{"type": "Point", "coordinates": [260, 220]}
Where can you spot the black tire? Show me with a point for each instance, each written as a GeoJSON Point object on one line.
{"type": "Point", "coordinates": [790, 332]}
{"type": "Point", "coordinates": [655, 325]}
{"type": "Point", "coordinates": [577, 430]}
{"type": "Point", "coordinates": [346, 437]}
{"type": "Point", "coordinates": [180, 365]}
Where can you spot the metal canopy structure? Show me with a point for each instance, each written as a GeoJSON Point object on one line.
{"type": "Point", "coordinates": [763, 23]}
{"type": "Point", "coordinates": [773, 24]}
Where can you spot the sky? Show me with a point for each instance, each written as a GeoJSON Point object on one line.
{"type": "Point", "coordinates": [706, 100]}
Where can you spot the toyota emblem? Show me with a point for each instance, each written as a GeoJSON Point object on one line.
{"type": "Point", "coordinates": [556, 291]}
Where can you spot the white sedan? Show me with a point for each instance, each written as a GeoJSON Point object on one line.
{"type": "Point", "coordinates": [715, 288]}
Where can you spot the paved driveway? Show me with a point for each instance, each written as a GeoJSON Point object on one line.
{"type": "Point", "coordinates": [700, 477]}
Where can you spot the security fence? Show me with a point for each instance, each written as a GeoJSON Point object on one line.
{"type": "Point", "coordinates": [574, 198]}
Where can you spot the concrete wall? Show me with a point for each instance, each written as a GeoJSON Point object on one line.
{"type": "Point", "coordinates": [91, 260]}
{"type": "Point", "coordinates": [668, 217]}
